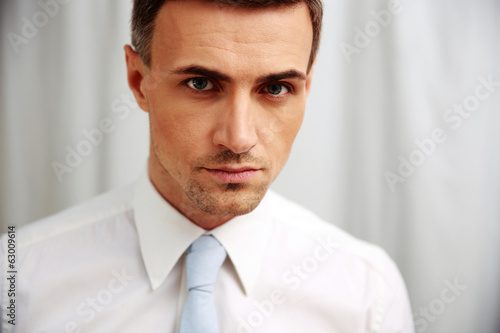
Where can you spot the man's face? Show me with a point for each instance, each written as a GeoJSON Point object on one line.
{"type": "Point", "coordinates": [226, 96]}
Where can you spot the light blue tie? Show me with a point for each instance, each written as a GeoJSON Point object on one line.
{"type": "Point", "coordinates": [203, 260]}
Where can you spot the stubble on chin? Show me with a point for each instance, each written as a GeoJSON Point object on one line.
{"type": "Point", "coordinates": [231, 199]}
{"type": "Point", "coordinates": [227, 199]}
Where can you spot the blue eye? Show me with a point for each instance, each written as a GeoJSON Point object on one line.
{"type": "Point", "coordinates": [200, 83]}
{"type": "Point", "coordinates": [277, 89]}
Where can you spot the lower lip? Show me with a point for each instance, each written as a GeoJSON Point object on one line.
{"type": "Point", "coordinates": [233, 177]}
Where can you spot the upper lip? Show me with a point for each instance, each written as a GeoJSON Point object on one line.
{"type": "Point", "coordinates": [233, 169]}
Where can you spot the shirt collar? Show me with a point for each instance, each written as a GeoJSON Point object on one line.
{"type": "Point", "coordinates": [165, 234]}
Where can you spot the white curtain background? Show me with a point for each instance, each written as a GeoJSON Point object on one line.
{"type": "Point", "coordinates": [384, 87]}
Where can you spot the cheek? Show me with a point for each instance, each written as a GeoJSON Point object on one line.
{"type": "Point", "coordinates": [180, 117]}
{"type": "Point", "coordinates": [278, 136]}
{"type": "Point", "coordinates": [282, 126]}
{"type": "Point", "coordinates": [177, 134]}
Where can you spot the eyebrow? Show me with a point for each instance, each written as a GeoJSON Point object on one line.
{"type": "Point", "coordinates": [291, 74]}
{"type": "Point", "coordinates": [202, 71]}
{"type": "Point", "coordinates": [214, 74]}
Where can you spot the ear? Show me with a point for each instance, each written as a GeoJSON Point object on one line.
{"type": "Point", "coordinates": [136, 75]}
{"type": "Point", "coordinates": [309, 79]}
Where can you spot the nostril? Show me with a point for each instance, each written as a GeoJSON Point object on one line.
{"type": "Point", "coordinates": [237, 139]}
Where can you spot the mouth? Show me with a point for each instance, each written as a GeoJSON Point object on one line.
{"type": "Point", "coordinates": [233, 175]}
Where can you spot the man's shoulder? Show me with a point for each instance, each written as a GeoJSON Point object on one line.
{"type": "Point", "coordinates": [308, 227]}
{"type": "Point", "coordinates": [96, 210]}
{"type": "Point", "coordinates": [359, 276]}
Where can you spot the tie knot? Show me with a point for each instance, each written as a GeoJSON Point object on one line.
{"type": "Point", "coordinates": [203, 261]}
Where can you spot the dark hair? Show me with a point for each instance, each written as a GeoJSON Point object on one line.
{"type": "Point", "coordinates": [145, 12]}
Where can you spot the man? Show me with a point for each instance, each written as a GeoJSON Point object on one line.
{"type": "Point", "coordinates": [199, 244]}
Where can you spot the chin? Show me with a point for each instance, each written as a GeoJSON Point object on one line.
{"type": "Point", "coordinates": [235, 209]}
{"type": "Point", "coordinates": [232, 200]}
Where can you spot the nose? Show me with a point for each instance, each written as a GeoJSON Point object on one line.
{"type": "Point", "coordinates": [236, 125]}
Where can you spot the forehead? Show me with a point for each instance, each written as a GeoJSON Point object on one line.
{"type": "Point", "coordinates": [204, 33]}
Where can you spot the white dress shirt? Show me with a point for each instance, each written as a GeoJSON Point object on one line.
{"type": "Point", "coordinates": [116, 264]}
